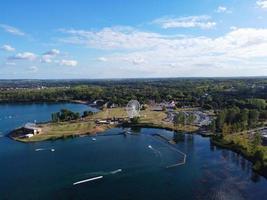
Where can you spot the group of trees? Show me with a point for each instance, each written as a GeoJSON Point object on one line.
{"type": "Point", "coordinates": [206, 93]}
{"type": "Point", "coordinates": [135, 120]}
{"type": "Point", "coordinates": [87, 113]}
{"type": "Point", "coordinates": [182, 118]}
{"type": "Point", "coordinates": [234, 119]}
{"type": "Point", "coordinates": [51, 94]}
{"type": "Point", "coordinates": [64, 115]}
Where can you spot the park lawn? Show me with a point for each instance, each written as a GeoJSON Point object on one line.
{"type": "Point", "coordinates": [66, 129]}
{"type": "Point", "coordinates": [110, 113]}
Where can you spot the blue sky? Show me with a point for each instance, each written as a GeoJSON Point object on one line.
{"type": "Point", "coordinates": [121, 39]}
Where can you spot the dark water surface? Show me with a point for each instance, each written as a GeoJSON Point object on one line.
{"type": "Point", "coordinates": [132, 166]}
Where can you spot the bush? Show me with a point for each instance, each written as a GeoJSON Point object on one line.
{"type": "Point", "coordinates": [135, 120]}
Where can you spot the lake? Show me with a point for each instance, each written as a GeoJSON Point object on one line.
{"type": "Point", "coordinates": [132, 166]}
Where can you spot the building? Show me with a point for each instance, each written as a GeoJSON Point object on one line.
{"type": "Point", "coordinates": [31, 129]}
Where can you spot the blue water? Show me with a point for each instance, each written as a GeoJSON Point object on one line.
{"type": "Point", "coordinates": [132, 166]}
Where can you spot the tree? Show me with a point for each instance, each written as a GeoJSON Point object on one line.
{"type": "Point", "coordinates": [259, 104]}
{"type": "Point", "coordinates": [191, 118]}
{"type": "Point", "coordinates": [226, 129]}
{"type": "Point", "coordinates": [55, 117]}
{"type": "Point", "coordinates": [135, 120]}
{"type": "Point", "coordinates": [220, 120]}
{"type": "Point", "coordinates": [253, 118]}
{"type": "Point", "coordinates": [65, 115]}
{"type": "Point", "coordinates": [244, 118]}
{"type": "Point", "coordinates": [255, 142]}
{"type": "Point", "coordinates": [179, 119]}
{"type": "Point", "coordinates": [212, 126]}
{"type": "Point", "coordinates": [263, 115]}
{"type": "Point", "coordinates": [87, 113]}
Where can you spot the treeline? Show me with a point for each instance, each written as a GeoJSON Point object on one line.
{"type": "Point", "coordinates": [64, 115]}
{"type": "Point", "coordinates": [68, 115]}
{"type": "Point", "coordinates": [215, 94]}
{"type": "Point", "coordinates": [182, 118]}
{"type": "Point", "coordinates": [249, 115]}
{"type": "Point", "coordinates": [51, 94]}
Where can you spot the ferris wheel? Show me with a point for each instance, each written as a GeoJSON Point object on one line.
{"type": "Point", "coordinates": [133, 109]}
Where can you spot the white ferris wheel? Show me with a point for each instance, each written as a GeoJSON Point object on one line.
{"type": "Point", "coordinates": [133, 109]}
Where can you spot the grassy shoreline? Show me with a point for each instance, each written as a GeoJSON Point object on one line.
{"type": "Point", "coordinates": [88, 125]}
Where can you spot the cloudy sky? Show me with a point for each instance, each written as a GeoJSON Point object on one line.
{"type": "Point", "coordinates": [135, 38]}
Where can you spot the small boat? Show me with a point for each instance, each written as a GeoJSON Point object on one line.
{"type": "Point", "coordinates": [94, 139]}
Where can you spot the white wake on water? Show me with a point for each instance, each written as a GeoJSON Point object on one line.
{"type": "Point", "coordinates": [98, 175]}
{"type": "Point", "coordinates": [87, 180]}
{"type": "Point", "coordinates": [44, 149]}
{"type": "Point", "coordinates": [157, 152]}
{"type": "Point", "coordinates": [104, 173]}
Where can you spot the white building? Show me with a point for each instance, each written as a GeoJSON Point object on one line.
{"type": "Point", "coordinates": [31, 129]}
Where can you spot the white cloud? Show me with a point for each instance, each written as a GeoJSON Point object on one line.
{"type": "Point", "coordinates": [7, 47]}
{"type": "Point", "coordinates": [102, 59]}
{"type": "Point", "coordinates": [138, 61]}
{"type": "Point", "coordinates": [202, 21]}
{"type": "Point", "coordinates": [155, 54]}
{"type": "Point", "coordinates": [111, 38]}
{"type": "Point", "coordinates": [222, 9]}
{"type": "Point", "coordinates": [12, 30]}
{"type": "Point", "coordinates": [134, 59]}
{"type": "Point", "coordinates": [24, 56]}
{"type": "Point", "coordinates": [48, 56]}
{"type": "Point", "coordinates": [52, 52]}
{"type": "Point", "coordinates": [71, 63]}
{"type": "Point", "coordinates": [138, 41]}
{"type": "Point", "coordinates": [262, 4]}
{"type": "Point", "coordinates": [33, 69]}
{"type": "Point", "coordinates": [46, 59]}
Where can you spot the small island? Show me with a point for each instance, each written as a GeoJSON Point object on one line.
{"type": "Point", "coordinates": [91, 123]}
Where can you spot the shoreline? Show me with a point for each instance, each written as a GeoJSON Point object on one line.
{"type": "Point", "coordinates": [34, 139]}
{"type": "Point", "coordinates": [98, 122]}
{"type": "Point", "coordinates": [260, 169]}
{"type": "Point", "coordinates": [104, 128]}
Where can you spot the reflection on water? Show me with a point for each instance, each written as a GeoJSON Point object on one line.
{"type": "Point", "coordinates": [177, 137]}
